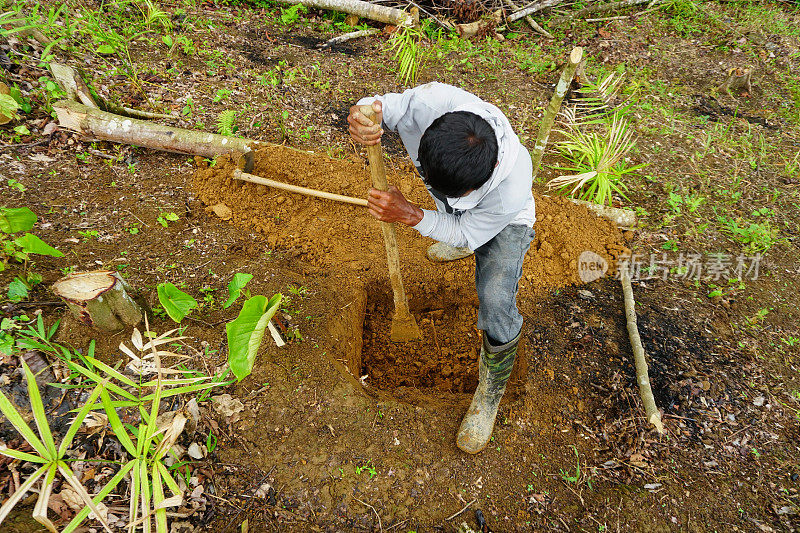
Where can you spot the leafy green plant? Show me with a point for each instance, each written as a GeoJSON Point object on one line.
{"type": "Point", "coordinates": [235, 287]}
{"type": "Point", "coordinates": [89, 234]}
{"type": "Point", "coordinates": [17, 220]}
{"type": "Point", "coordinates": [165, 218]}
{"type": "Point", "coordinates": [222, 94]}
{"type": "Point", "coordinates": [52, 459]}
{"type": "Point", "coordinates": [369, 468]}
{"type": "Point", "coordinates": [176, 303]}
{"type": "Point", "coordinates": [290, 15]}
{"type": "Point", "coordinates": [405, 43]}
{"type": "Point", "coordinates": [245, 333]}
{"type": "Point", "coordinates": [596, 159]}
{"type": "Point", "coordinates": [569, 477]}
{"type": "Point", "coordinates": [226, 122]}
{"type": "Point", "coordinates": [758, 237]}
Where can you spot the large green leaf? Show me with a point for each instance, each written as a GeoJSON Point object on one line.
{"type": "Point", "coordinates": [17, 290]}
{"type": "Point", "coordinates": [245, 333]}
{"type": "Point", "coordinates": [235, 287]}
{"type": "Point", "coordinates": [31, 244]}
{"type": "Point", "coordinates": [16, 219]}
{"type": "Point", "coordinates": [176, 303]}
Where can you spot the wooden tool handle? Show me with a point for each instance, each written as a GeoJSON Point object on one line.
{"type": "Point", "coordinates": [378, 171]}
{"type": "Point", "coordinates": [375, 155]}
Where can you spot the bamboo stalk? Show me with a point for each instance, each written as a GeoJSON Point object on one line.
{"type": "Point", "coordinates": [623, 218]}
{"type": "Point", "coordinates": [554, 107]}
{"type": "Point", "coordinates": [642, 375]}
{"type": "Point", "coordinates": [244, 176]}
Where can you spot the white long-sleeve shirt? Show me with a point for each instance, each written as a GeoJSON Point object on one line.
{"type": "Point", "coordinates": [504, 199]}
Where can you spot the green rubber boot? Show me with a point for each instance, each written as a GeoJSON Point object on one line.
{"type": "Point", "coordinates": [494, 369]}
{"type": "Point", "coordinates": [441, 252]}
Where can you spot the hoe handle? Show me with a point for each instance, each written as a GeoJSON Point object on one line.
{"type": "Point", "coordinates": [375, 155]}
{"type": "Point", "coordinates": [378, 172]}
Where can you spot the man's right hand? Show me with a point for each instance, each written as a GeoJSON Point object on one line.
{"type": "Point", "coordinates": [362, 129]}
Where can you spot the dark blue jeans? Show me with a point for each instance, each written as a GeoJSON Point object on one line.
{"type": "Point", "coordinates": [498, 268]}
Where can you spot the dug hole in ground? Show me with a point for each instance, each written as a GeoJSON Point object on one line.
{"type": "Point", "coordinates": [361, 418]}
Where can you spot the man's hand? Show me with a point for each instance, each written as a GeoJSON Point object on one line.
{"type": "Point", "coordinates": [362, 129]}
{"type": "Point", "coordinates": [392, 206]}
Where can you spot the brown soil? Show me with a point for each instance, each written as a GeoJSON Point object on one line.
{"type": "Point", "coordinates": [344, 238]}
{"type": "Point", "coordinates": [725, 376]}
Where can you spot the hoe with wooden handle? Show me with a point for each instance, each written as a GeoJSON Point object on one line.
{"type": "Point", "coordinates": [404, 327]}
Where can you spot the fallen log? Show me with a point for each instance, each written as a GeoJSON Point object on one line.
{"type": "Point", "coordinates": [642, 374]}
{"type": "Point", "coordinates": [533, 8]}
{"type": "Point", "coordinates": [96, 124]}
{"type": "Point", "coordinates": [388, 15]}
{"type": "Point", "coordinates": [532, 23]}
{"type": "Point", "coordinates": [554, 106]}
{"type": "Point", "coordinates": [99, 299]}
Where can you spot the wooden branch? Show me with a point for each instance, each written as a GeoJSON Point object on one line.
{"type": "Point", "coordinates": [623, 218]}
{"type": "Point", "coordinates": [244, 176]}
{"type": "Point", "coordinates": [642, 375]}
{"type": "Point", "coordinates": [77, 89]}
{"type": "Point", "coordinates": [97, 124]}
{"type": "Point", "coordinates": [598, 8]}
{"type": "Point", "coordinates": [347, 37]}
{"type": "Point", "coordinates": [533, 8]}
{"type": "Point", "coordinates": [554, 107]}
{"type": "Point", "coordinates": [532, 23]}
{"type": "Point", "coordinates": [99, 299]}
{"type": "Point", "coordinates": [72, 84]}
{"type": "Point", "coordinates": [388, 15]}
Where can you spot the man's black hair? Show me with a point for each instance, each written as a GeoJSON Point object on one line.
{"type": "Point", "coordinates": [458, 153]}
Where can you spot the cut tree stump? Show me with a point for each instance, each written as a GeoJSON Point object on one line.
{"type": "Point", "coordinates": [99, 299]}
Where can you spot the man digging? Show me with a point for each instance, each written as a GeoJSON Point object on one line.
{"type": "Point", "coordinates": [479, 176]}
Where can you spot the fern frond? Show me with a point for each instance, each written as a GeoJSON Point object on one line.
{"type": "Point", "coordinates": [226, 121]}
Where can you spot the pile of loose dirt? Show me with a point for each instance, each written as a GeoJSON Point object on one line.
{"type": "Point", "coordinates": [340, 236]}
{"type": "Point", "coordinates": [343, 239]}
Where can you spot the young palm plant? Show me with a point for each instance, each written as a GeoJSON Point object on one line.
{"type": "Point", "coordinates": [51, 459]}
{"type": "Point", "coordinates": [597, 137]}
{"type": "Point", "coordinates": [152, 488]}
{"type": "Point", "coordinates": [407, 52]}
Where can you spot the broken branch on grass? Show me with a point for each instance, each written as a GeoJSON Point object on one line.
{"type": "Point", "coordinates": [533, 8]}
{"type": "Point", "coordinates": [388, 15]}
{"type": "Point", "coordinates": [642, 374]}
{"type": "Point", "coordinates": [77, 89]}
{"type": "Point", "coordinates": [554, 106]}
{"type": "Point", "coordinates": [532, 23]}
{"type": "Point", "coordinates": [348, 37]}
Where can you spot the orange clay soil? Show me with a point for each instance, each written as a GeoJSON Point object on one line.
{"type": "Point", "coordinates": [345, 239]}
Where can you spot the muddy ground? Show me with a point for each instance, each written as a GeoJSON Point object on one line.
{"type": "Point", "coordinates": [343, 431]}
